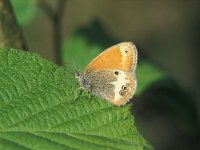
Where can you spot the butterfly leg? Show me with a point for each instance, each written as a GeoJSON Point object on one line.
{"type": "Point", "coordinates": [78, 95]}
{"type": "Point", "coordinates": [90, 97]}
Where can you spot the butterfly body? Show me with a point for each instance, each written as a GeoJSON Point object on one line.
{"type": "Point", "coordinates": [111, 74]}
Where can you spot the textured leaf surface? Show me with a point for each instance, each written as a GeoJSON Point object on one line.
{"type": "Point", "coordinates": [38, 111]}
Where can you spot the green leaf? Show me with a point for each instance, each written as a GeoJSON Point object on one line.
{"type": "Point", "coordinates": [24, 10]}
{"type": "Point", "coordinates": [78, 52]}
{"type": "Point", "coordinates": [147, 74]}
{"type": "Point", "coordinates": [38, 111]}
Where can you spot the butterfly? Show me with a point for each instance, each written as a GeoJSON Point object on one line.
{"type": "Point", "coordinates": [111, 75]}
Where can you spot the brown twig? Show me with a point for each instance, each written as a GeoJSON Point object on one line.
{"type": "Point", "coordinates": [11, 35]}
{"type": "Point", "coordinates": [55, 17]}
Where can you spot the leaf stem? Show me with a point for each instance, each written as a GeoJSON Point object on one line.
{"type": "Point", "coordinates": [55, 17]}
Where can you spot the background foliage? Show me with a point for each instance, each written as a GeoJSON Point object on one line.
{"type": "Point", "coordinates": [166, 105]}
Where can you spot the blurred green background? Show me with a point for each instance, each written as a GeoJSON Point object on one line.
{"type": "Point", "coordinates": [166, 107]}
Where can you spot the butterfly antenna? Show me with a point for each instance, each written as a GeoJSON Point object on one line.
{"type": "Point", "coordinates": [76, 64]}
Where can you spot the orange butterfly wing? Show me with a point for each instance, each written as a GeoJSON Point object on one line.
{"type": "Point", "coordinates": [122, 56]}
